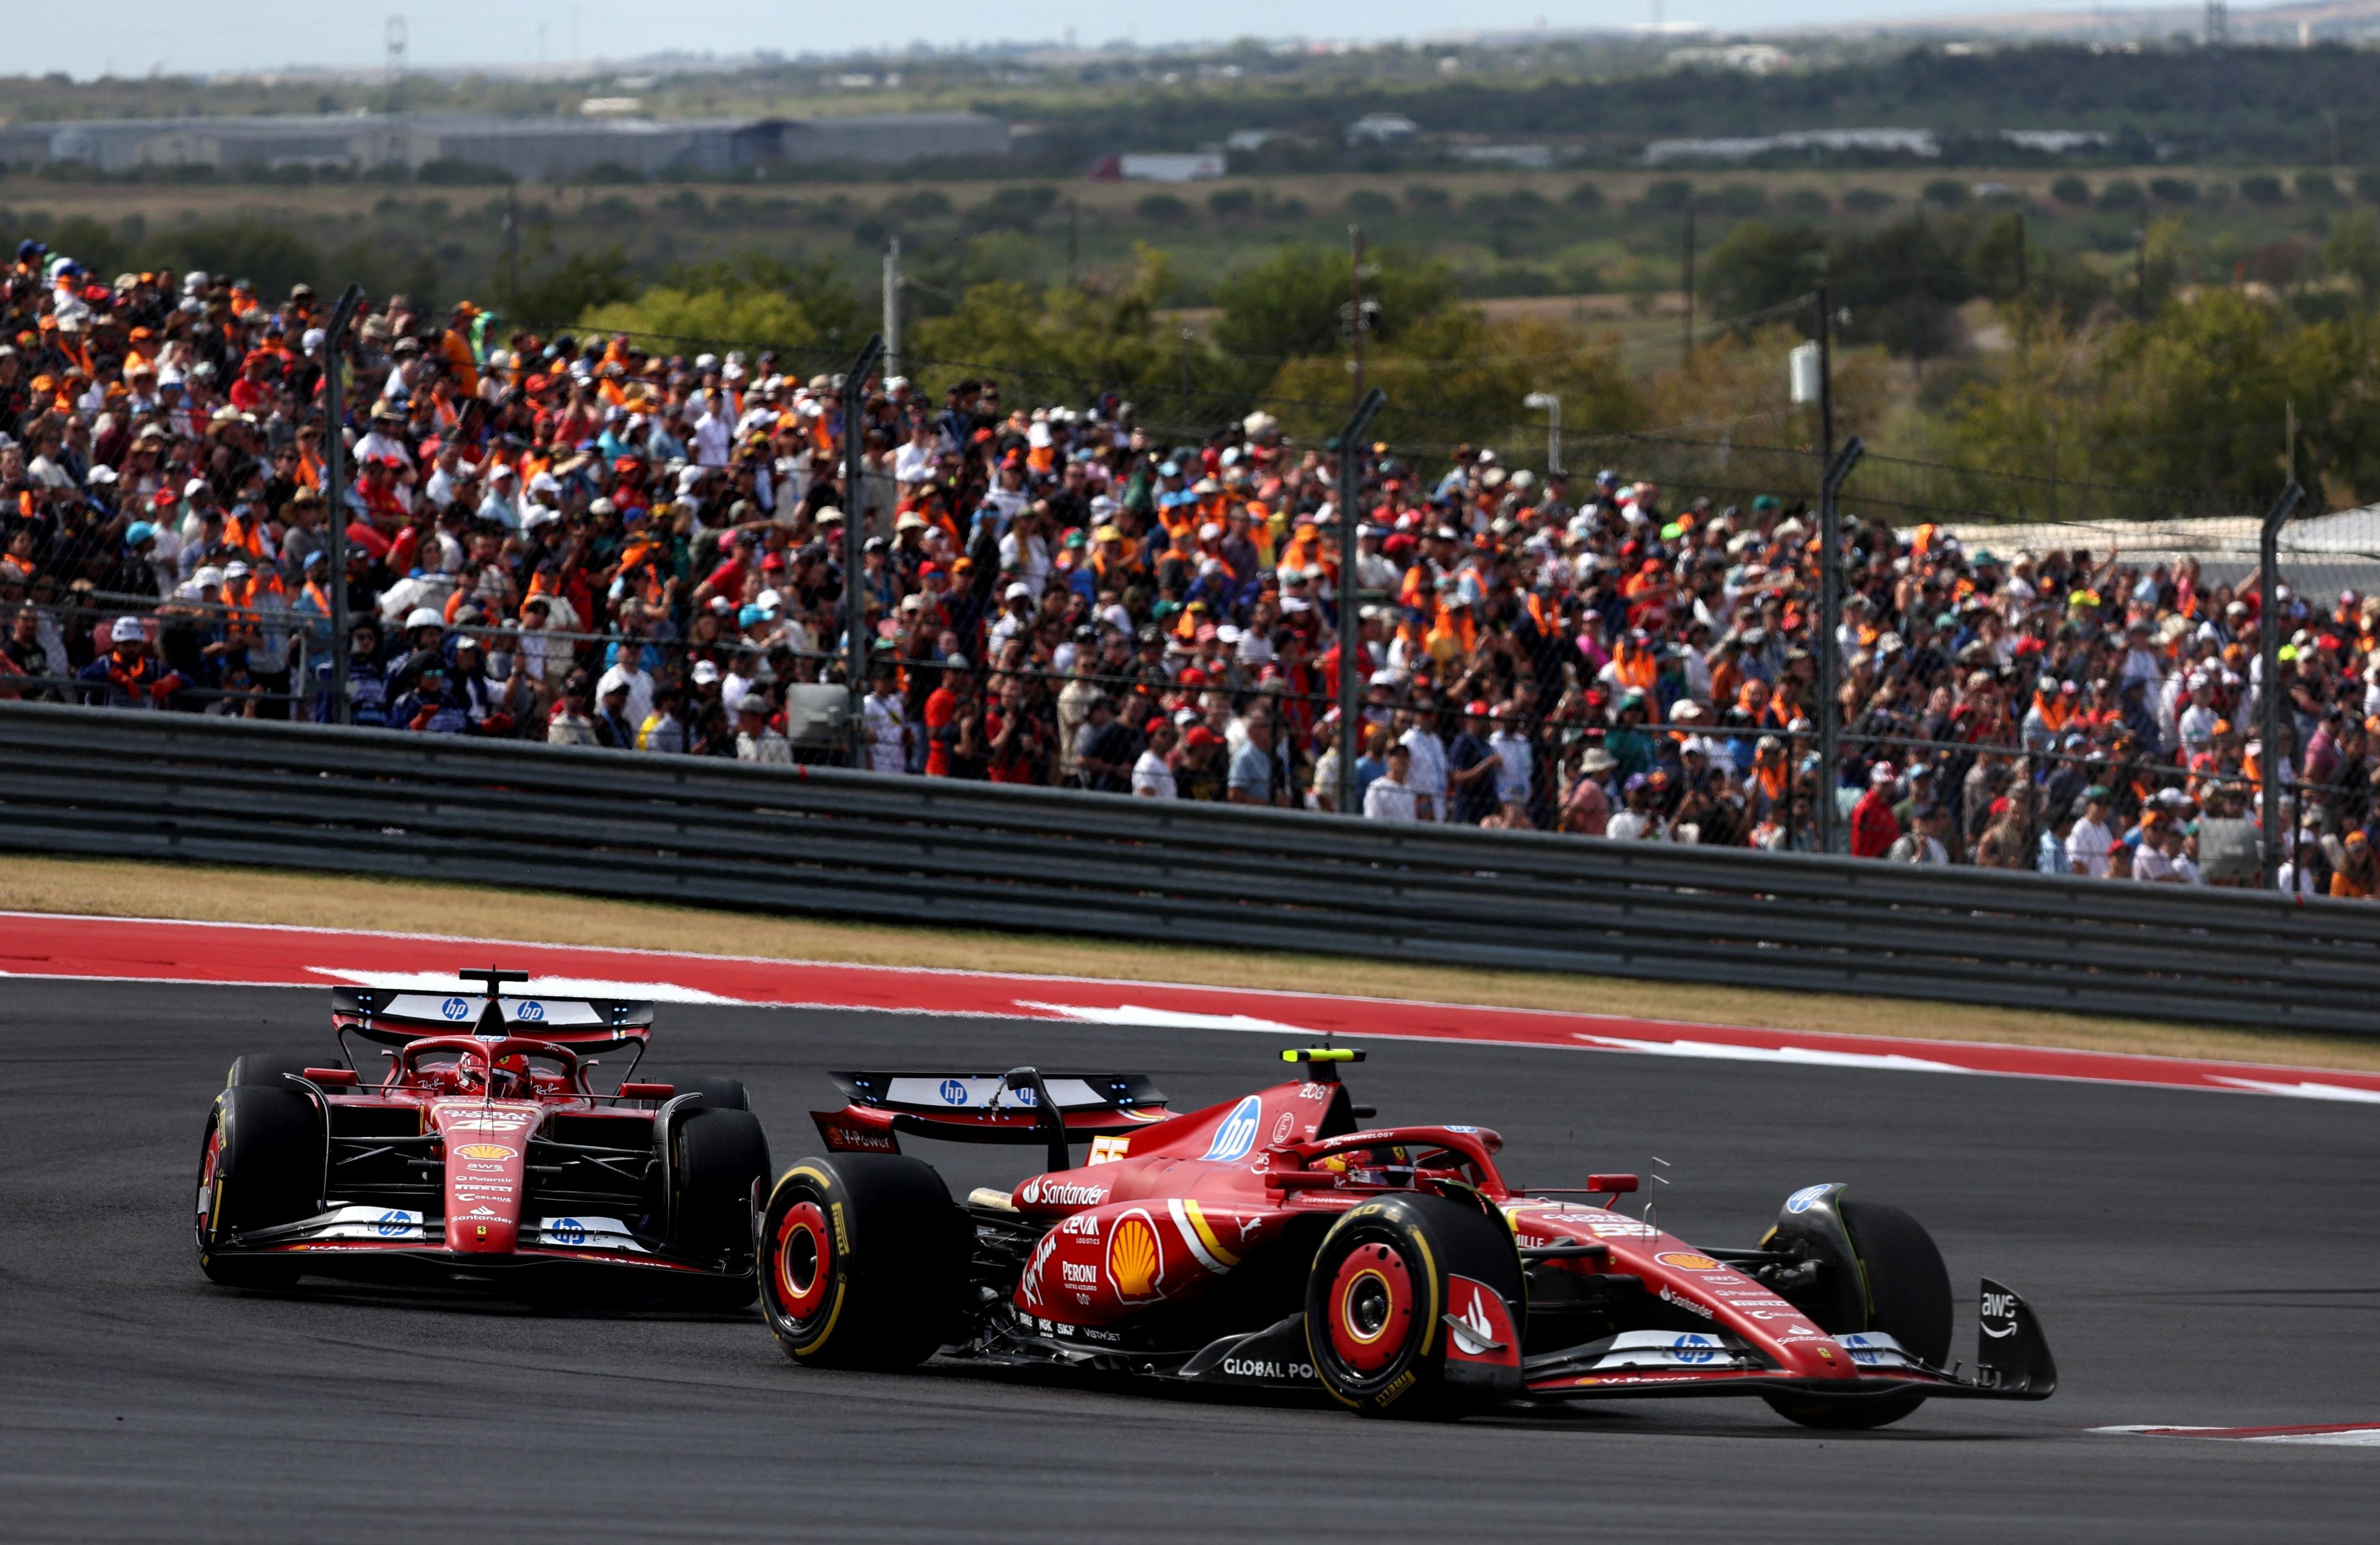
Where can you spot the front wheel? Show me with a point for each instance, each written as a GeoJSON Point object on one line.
{"type": "Point", "coordinates": [864, 1261]}
{"type": "Point", "coordinates": [720, 1157]}
{"type": "Point", "coordinates": [1905, 1293]}
{"type": "Point", "coordinates": [1414, 1307]}
{"type": "Point", "coordinates": [260, 1164]}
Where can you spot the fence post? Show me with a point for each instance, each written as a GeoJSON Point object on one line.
{"type": "Point", "coordinates": [1831, 618]}
{"type": "Point", "coordinates": [334, 494]}
{"type": "Point", "coordinates": [855, 540]}
{"type": "Point", "coordinates": [1350, 483]}
{"type": "Point", "coordinates": [2268, 692]}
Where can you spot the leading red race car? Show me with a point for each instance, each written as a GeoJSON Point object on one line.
{"type": "Point", "coordinates": [1270, 1242]}
{"type": "Point", "coordinates": [482, 1156]}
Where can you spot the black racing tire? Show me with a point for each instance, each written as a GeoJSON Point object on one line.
{"type": "Point", "coordinates": [718, 1160]}
{"type": "Point", "coordinates": [864, 1261]}
{"type": "Point", "coordinates": [260, 1164]}
{"type": "Point", "coordinates": [1377, 1296]}
{"type": "Point", "coordinates": [719, 1092]}
{"type": "Point", "coordinates": [1907, 1296]}
{"type": "Point", "coordinates": [265, 1068]}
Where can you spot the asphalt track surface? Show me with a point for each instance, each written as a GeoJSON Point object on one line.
{"type": "Point", "coordinates": [2197, 1259]}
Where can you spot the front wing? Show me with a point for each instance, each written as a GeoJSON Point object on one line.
{"type": "Point", "coordinates": [398, 1242]}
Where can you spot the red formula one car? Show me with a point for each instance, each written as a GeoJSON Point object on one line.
{"type": "Point", "coordinates": [1271, 1243]}
{"type": "Point", "coordinates": [484, 1155]}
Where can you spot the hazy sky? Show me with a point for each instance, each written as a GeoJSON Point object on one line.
{"type": "Point", "coordinates": [131, 37]}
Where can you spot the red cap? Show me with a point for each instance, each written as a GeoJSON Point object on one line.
{"type": "Point", "coordinates": [1477, 707]}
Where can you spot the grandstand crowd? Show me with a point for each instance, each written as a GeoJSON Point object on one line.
{"type": "Point", "coordinates": [589, 542]}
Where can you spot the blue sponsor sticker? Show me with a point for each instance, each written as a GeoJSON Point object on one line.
{"type": "Point", "coordinates": [568, 1231]}
{"type": "Point", "coordinates": [1692, 1348]}
{"type": "Point", "coordinates": [954, 1092]}
{"type": "Point", "coordinates": [1863, 1352]}
{"type": "Point", "coordinates": [454, 1008]}
{"type": "Point", "coordinates": [531, 1011]}
{"type": "Point", "coordinates": [1238, 1133]}
{"type": "Point", "coordinates": [1025, 1097]}
{"type": "Point", "coordinates": [1807, 1198]}
{"type": "Point", "coordinates": [392, 1224]}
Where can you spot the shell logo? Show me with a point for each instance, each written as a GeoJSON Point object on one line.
{"type": "Point", "coordinates": [1687, 1262]}
{"type": "Point", "coordinates": [485, 1150]}
{"type": "Point", "coordinates": [1134, 1261]}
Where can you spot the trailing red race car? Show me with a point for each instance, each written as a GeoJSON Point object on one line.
{"type": "Point", "coordinates": [482, 1156]}
{"type": "Point", "coordinates": [1271, 1243]}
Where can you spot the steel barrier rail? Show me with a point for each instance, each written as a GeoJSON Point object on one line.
{"type": "Point", "coordinates": [899, 849]}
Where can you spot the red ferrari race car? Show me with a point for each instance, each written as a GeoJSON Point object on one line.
{"type": "Point", "coordinates": [1272, 1242]}
{"type": "Point", "coordinates": [481, 1155]}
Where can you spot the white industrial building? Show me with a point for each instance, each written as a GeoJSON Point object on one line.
{"type": "Point", "coordinates": [529, 149]}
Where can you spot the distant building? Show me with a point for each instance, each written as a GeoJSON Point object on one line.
{"type": "Point", "coordinates": [1918, 142]}
{"type": "Point", "coordinates": [1528, 157]}
{"type": "Point", "coordinates": [1753, 58]}
{"type": "Point", "coordinates": [1158, 168]}
{"type": "Point", "coordinates": [1381, 128]}
{"type": "Point", "coordinates": [528, 149]}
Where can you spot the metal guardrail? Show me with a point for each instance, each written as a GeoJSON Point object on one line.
{"type": "Point", "coordinates": [918, 850]}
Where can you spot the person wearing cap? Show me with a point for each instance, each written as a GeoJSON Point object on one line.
{"type": "Point", "coordinates": [954, 723]}
{"type": "Point", "coordinates": [1874, 826]}
{"type": "Point", "coordinates": [2088, 843]}
{"type": "Point", "coordinates": [1152, 773]}
{"type": "Point", "coordinates": [758, 740]}
{"type": "Point", "coordinates": [129, 674]}
{"type": "Point", "coordinates": [433, 704]}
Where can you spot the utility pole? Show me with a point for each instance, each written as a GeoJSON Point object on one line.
{"type": "Point", "coordinates": [1831, 618]}
{"type": "Point", "coordinates": [335, 493]}
{"type": "Point", "coordinates": [1356, 302]}
{"type": "Point", "coordinates": [1351, 472]}
{"type": "Point", "coordinates": [1686, 291]}
{"type": "Point", "coordinates": [512, 245]}
{"type": "Point", "coordinates": [893, 308]}
{"type": "Point", "coordinates": [854, 539]}
{"type": "Point", "coordinates": [1552, 405]}
{"type": "Point", "coordinates": [2268, 692]}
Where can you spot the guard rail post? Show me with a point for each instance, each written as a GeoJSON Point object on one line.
{"type": "Point", "coordinates": [2268, 693]}
{"type": "Point", "coordinates": [855, 541]}
{"type": "Point", "coordinates": [334, 496]}
{"type": "Point", "coordinates": [1831, 618]}
{"type": "Point", "coordinates": [1349, 485]}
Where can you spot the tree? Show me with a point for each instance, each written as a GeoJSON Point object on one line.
{"type": "Point", "coordinates": [1757, 267]}
{"type": "Point", "coordinates": [754, 302]}
{"type": "Point", "coordinates": [2352, 251]}
{"type": "Point", "coordinates": [1065, 342]}
{"type": "Point", "coordinates": [1295, 303]}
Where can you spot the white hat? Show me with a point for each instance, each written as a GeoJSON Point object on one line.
{"type": "Point", "coordinates": [1018, 592]}
{"type": "Point", "coordinates": [208, 576]}
{"type": "Point", "coordinates": [193, 488]}
{"type": "Point", "coordinates": [237, 569]}
{"type": "Point", "coordinates": [423, 616]}
{"type": "Point", "coordinates": [705, 671]}
{"type": "Point", "coordinates": [126, 631]}
{"type": "Point", "coordinates": [1882, 772]}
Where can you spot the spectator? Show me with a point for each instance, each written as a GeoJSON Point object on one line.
{"type": "Point", "coordinates": [1390, 797]}
{"type": "Point", "coordinates": [1252, 767]}
{"type": "Point", "coordinates": [2087, 844]}
{"type": "Point", "coordinates": [1152, 774]}
{"type": "Point", "coordinates": [756, 738]}
{"type": "Point", "coordinates": [1873, 827]}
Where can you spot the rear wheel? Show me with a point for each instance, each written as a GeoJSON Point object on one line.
{"type": "Point", "coordinates": [261, 1166]}
{"type": "Point", "coordinates": [1906, 1294]}
{"type": "Point", "coordinates": [719, 1157]}
{"type": "Point", "coordinates": [864, 1261]}
{"type": "Point", "coordinates": [1386, 1278]}
{"type": "Point", "coordinates": [719, 1093]}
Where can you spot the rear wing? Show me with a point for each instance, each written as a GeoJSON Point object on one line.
{"type": "Point", "coordinates": [978, 1108]}
{"type": "Point", "coordinates": [393, 1018]}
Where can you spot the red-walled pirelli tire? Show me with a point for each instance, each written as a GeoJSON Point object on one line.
{"type": "Point", "coordinates": [260, 1164]}
{"type": "Point", "coordinates": [864, 1261]}
{"type": "Point", "coordinates": [1906, 1294]}
{"type": "Point", "coordinates": [1381, 1296]}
